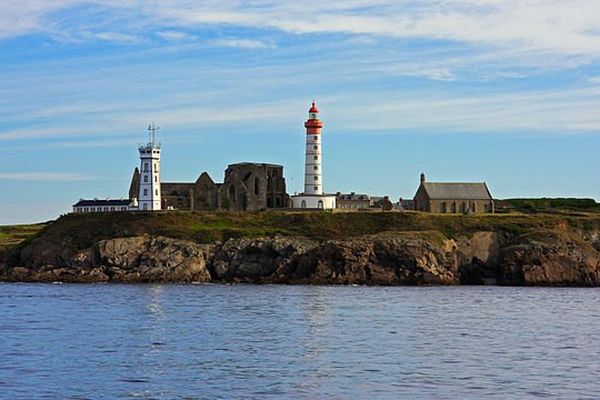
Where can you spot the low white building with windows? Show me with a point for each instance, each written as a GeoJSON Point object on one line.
{"type": "Point", "coordinates": [106, 205]}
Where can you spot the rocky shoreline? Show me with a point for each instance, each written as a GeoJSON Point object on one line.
{"type": "Point", "coordinates": [541, 258]}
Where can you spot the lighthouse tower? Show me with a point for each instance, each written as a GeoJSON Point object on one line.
{"type": "Point", "coordinates": [149, 199]}
{"type": "Point", "coordinates": [313, 180]}
{"type": "Point", "coordinates": [313, 196]}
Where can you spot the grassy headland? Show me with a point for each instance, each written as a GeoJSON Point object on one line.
{"type": "Point", "coordinates": [13, 235]}
{"type": "Point", "coordinates": [79, 231]}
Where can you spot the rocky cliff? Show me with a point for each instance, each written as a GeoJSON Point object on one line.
{"type": "Point", "coordinates": [556, 257]}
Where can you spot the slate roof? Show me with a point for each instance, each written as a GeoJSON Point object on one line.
{"type": "Point", "coordinates": [353, 196]}
{"type": "Point", "coordinates": [107, 202]}
{"type": "Point", "coordinates": [457, 191]}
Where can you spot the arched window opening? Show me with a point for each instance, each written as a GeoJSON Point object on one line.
{"type": "Point", "coordinates": [256, 186]}
{"type": "Point", "coordinates": [320, 204]}
{"type": "Point", "coordinates": [145, 178]}
{"type": "Point", "coordinates": [303, 204]}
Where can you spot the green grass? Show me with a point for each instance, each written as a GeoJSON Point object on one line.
{"type": "Point", "coordinates": [13, 235]}
{"type": "Point", "coordinates": [552, 205]}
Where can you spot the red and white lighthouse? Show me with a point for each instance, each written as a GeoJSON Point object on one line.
{"type": "Point", "coordinates": [313, 196]}
{"type": "Point", "coordinates": [313, 178]}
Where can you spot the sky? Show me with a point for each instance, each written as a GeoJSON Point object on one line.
{"type": "Point", "coordinates": [501, 91]}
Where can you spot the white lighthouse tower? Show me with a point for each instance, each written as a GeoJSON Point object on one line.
{"type": "Point", "coordinates": [313, 196]}
{"type": "Point", "coordinates": [149, 199]}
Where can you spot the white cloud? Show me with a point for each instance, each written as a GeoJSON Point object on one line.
{"type": "Point", "coordinates": [175, 35]}
{"type": "Point", "coordinates": [566, 27]}
{"type": "Point", "coordinates": [241, 43]}
{"type": "Point", "coordinates": [117, 37]}
{"type": "Point", "coordinates": [44, 176]}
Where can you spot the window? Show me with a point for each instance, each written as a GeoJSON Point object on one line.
{"type": "Point", "coordinates": [145, 206]}
{"type": "Point", "coordinates": [315, 138]}
{"type": "Point", "coordinates": [316, 168]}
{"type": "Point", "coordinates": [316, 188]}
{"type": "Point", "coordinates": [316, 147]}
{"type": "Point", "coordinates": [256, 186]}
{"type": "Point", "coordinates": [320, 204]}
{"type": "Point", "coordinates": [303, 204]}
{"type": "Point", "coordinates": [316, 178]}
{"type": "Point", "coordinates": [112, 209]}
{"type": "Point", "coordinates": [155, 167]}
{"type": "Point", "coordinates": [156, 178]}
{"type": "Point", "coordinates": [443, 207]}
{"type": "Point", "coordinates": [145, 192]}
{"type": "Point", "coordinates": [145, 178]}
{"type": "Point", "coordinates": [156, 192]}
{"type": "Point", "coordinates": [123, 208]}
{"type": "Point", "coordinates": [146, 166]}
{"type": "Point", "coordinates": [316, 157]}
{"type": "Point", "coordinates": [85, 209]}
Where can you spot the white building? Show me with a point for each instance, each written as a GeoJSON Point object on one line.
{"type": "Point", "coordinates": [150, 196]}
{"type": "Point", "coordinates": [313, 196]}
{"type": "Point", "coordinates": [107, 205]}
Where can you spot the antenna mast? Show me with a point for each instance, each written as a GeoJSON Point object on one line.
{"type": "Point", "coordinates": [152, 128]}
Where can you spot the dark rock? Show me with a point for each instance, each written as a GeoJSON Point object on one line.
{"type": "Point", "coordinates": [143, 259]}
{"type": "Point", "coordinates": [550, 259]}
{"type": "Point", "coordinates": [257, 260]}
{"type": "Point", "coordinates": [556, 257]}
{"type": "Point", "coordinates": [376, 261]}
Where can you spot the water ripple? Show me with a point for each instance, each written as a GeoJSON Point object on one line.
{"type": "Point", "coordinates": [229, 342]}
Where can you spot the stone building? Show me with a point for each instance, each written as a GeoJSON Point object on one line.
{"type": "Point", "coordinates": [246, 187]}
{"type": "Point", "coordinates": [352, 201]}
{"type": "Point", "coordinates": [384, 204]}
{"type": "Point", "coordinates": [453, 198]}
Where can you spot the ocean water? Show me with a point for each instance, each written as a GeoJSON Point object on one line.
{"type": "Point", "coordinates": [306, 342]}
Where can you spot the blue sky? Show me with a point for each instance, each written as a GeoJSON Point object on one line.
{"type": "Point", "coordinates": [506, 92]}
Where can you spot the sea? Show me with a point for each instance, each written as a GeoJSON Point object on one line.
{"type": "Point", "coordinates": [69, 341]}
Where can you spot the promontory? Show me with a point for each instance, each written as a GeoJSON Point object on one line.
{"type": "Point", "coordinates": [371, 248]}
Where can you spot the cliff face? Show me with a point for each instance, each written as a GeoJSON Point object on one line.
{"type": "Point", "coordinates": [558, 257]}
{"type": "Point", "coordinates": [127, 260]}
{"type": "Point", "coordinates": [550, 258]}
